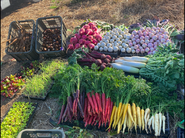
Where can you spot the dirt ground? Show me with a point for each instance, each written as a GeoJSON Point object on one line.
{"type": "Point", "coordinates": [73, 13]}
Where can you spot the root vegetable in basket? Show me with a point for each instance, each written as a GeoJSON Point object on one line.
{"type": "Point", "coordinates": [50, 39]}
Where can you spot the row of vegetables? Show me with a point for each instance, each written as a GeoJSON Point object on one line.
{"type": "Point", "coordinates": [109, 98]}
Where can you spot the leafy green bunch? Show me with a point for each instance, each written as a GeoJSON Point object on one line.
{"type": "Point", "coordinates": [16, 120]}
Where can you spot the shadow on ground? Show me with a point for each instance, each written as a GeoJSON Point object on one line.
{"type": "Point", "coordinates": [15, 5]}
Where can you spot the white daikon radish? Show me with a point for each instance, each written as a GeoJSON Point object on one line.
{"type": "Point", "coordinates": [132, 63]}
{"type": "Point", "coordinates": [164, 118]}
{"type": "Point", "coordinates": [136, 58]}
{"type": "Point", "coordinates": [125, 68]}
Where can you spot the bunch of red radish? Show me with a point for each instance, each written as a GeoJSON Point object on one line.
{"type": "Point", "coordinates": [97, 109]}
{"type": "Point", "coordinates": [88, 36]}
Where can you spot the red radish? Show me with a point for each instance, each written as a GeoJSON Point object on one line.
{"type": "Point", "coordinates": [82, 31]}
{"type": "Point", "coordinates": [94, 41]}
{"type": "Point", "coordinates": [91, 24]}
{"type": "Point", "coordinates": [73, 40]}
{"type": "Point", "coordinates": [81, 41]}
{"type": "Point", "coordinates": [86, 26]}
{"type": "Point", "coordinates": [88, 31]}
{"type": "Point", "coordinates": [77, 46]}
{"type": "Point", "coordinates": [71, 47]}
{"type": "Point", "coordinates": [78, 36]}
{"type": "Point", "coordinates": [84, 37]}
{"type": "Point", "coordinates": [91, 46]}
{"type": "Point", "coordinates": [90, 37]}
{"type": "Point", "coordinates": [87, 42]}
{"type": "Point", "coordinates": [98, 37]}
{"type": "Point", "coordinates": [94, 28]}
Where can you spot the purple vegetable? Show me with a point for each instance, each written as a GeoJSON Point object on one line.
{"type": "Point", "coordinates": [150, 45]}
{"type": "Point", "coordinates": [137, 40]}
{"type": "Point", "coordinates": [103, 56]}
{"type": "Point", "coordinates": [102, 67]}
{"type": "Point", "coordinates": [107, 60]}
{"type": "Point", "coordinates": [109, 57]}
{"type": "Point", "coordinates": [142, 37]}
{"type": "Point", "coordinates": [98, 62]}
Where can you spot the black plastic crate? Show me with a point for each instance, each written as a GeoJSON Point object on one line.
{"type": "Point", "coordinates": [180, 132]}
{"type": "Point", "coordinates": [112, 54]}
{"type": "Point", "coordinates": [31, 54]}
{"type": "Point", "coordinates": [41, 133]}
{"type": "Point", "coordinates": [103, 128]}
{"type": "Point", "coordinates": [53, 22]}
{"type": "Point", "coordinates": [181, 46]}
{"type": "Point", "coordinates": [131, 54]}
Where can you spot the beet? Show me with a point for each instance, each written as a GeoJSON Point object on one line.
{"type": "Point", "coordinates": [109, 65]}
{"type": "Point", "coordinates": [106, 60]}
{"type": "Point", "coordinates": [103, 56]}
{"type": "Point", "coordinates": [109, 57]}
{"type": "Point", "coordinates": [98, 62]}
{"type": "Point", "coordinates": [102, 67]}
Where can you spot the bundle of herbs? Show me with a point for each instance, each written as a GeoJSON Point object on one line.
{"type": "Point", "coordinates": [166, 66]}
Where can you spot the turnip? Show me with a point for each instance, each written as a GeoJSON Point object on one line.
{"type": "Point", "coordinates": [82, 31]}
{"type": "Point", "coordinates": [136, 47]}
{"type": "Point", "coordinates": [123, 40]}
{"type": "Point", "coordinates": [154, 37]}
{"type": "Point", "coordinates": [151, 40]}
{"type": "Point", "coordinates": [162, 40]}
{"type": "Point", "coordinates": [162, 30]}
{"type": "Point", "coordinates": [168, 41]}
{"type": "Point", "coordinates": [147, 49]}
{"type": "Point", "coordinates": [140, 47]}
{"type": "Point", "coordinates": [153, 52]}
{"type": "Point", "coordinates": [134, 32]}
{"type": "Point", "coordinates": [130, 44]}
{"type": "Point", "coordinates": [151, 49]}
{"type": "Point", "coordinates": [107, 33]}
{"type": "Point", "coordinates": [142, 50]}
{"type": "Point", "coordinates": [144, 45]}
{"type": "Point", "coordinates": [128, 50]}
{"type": "Point", "coordinates": [137, 40]}
{"type": "Point", "coordinates": [134, 42]}
{"type": "Point", "coordinates": [105, 48]}
{"type": "Point", "coordinates": [110, 49]}
{"type": "Point", "coordinates": [96, 47]}
{"type": "Point", "coordinates": [146, 41]}
{"type": "Point", "coordinates": [157, 31]}
{"type": "Point", "coordinates": [111, 40]}
{"type": "Point", "coordinates": [132, 47]}
{"type": "Point", "coordinates": [133, 39]}
{"type": "Point", "coordinates": [117, 39]}
{"type": "Point", "coordinates": [126, 40]}
{"type": "Point", "coordinates": [132, 36]}
{"type": "Point", "coordinates": [145, 33]}
{"type": "Point", "coordinates": [71, 47]}
{"type": "Point", "coordinates": [101, 48]}
{"type": "Point", "coordinates": [142, 37]}
{"type": "Point", "coordinates": [151, 35]}
{"type": "Point", "coordinates": [137, 51]}
{"type": "Point", "coordinates": [137, 36]}
{"type": "Point", "coordinates": [133, 51]}
{"type": "Point", "coordinates": [150, 53]}
{"type": "Point", "coordinates": [123, 50]}
{"type": "Point", "coordinates": [115, 48]}
{"type": "Point", "coordinates": [122, 33]}
{"type": "Point", "coordinates": [155, 43]}
{"type": "Point", "coordinates": [142, 41]}
{"type": "Point", "coordinates": [119, 42]}
{"type": "Point", "coordinates": [129, 41]}
{"type": "Point", "coordinates": [117, 34]}
{"type": "Point", "coordinates": [155, 46]}
{"type": "Point", "coordinates": [142, 29]}
{"type": "Point", "coordinates": [109, 45]}
{"type": "Point", "coordinates": [150, 45]}
{"type": "Point", "coordinates": [120, 47]}
{"type": "Point", "coordinates": [116, 44]}
{"type": "Point", "coordinates": [106, 41]}
{"type": "Point", "coordinates": [114, 37]}
{"type": "Point", "coordinates": [147, 37]}
{"type": "Point", "coordinates": [126, 46]}
{"type": "Point", "coordinates": [126, 30]}
{"type": "Point", "coordinates": [91, 46]}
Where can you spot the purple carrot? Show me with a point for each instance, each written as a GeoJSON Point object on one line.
{"type": "Point", "coordinates": [61, 113]}
{"type": "Point", "coordinates": [70, 103]}
{"type": "Point", "coordinates": [65, 112]}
